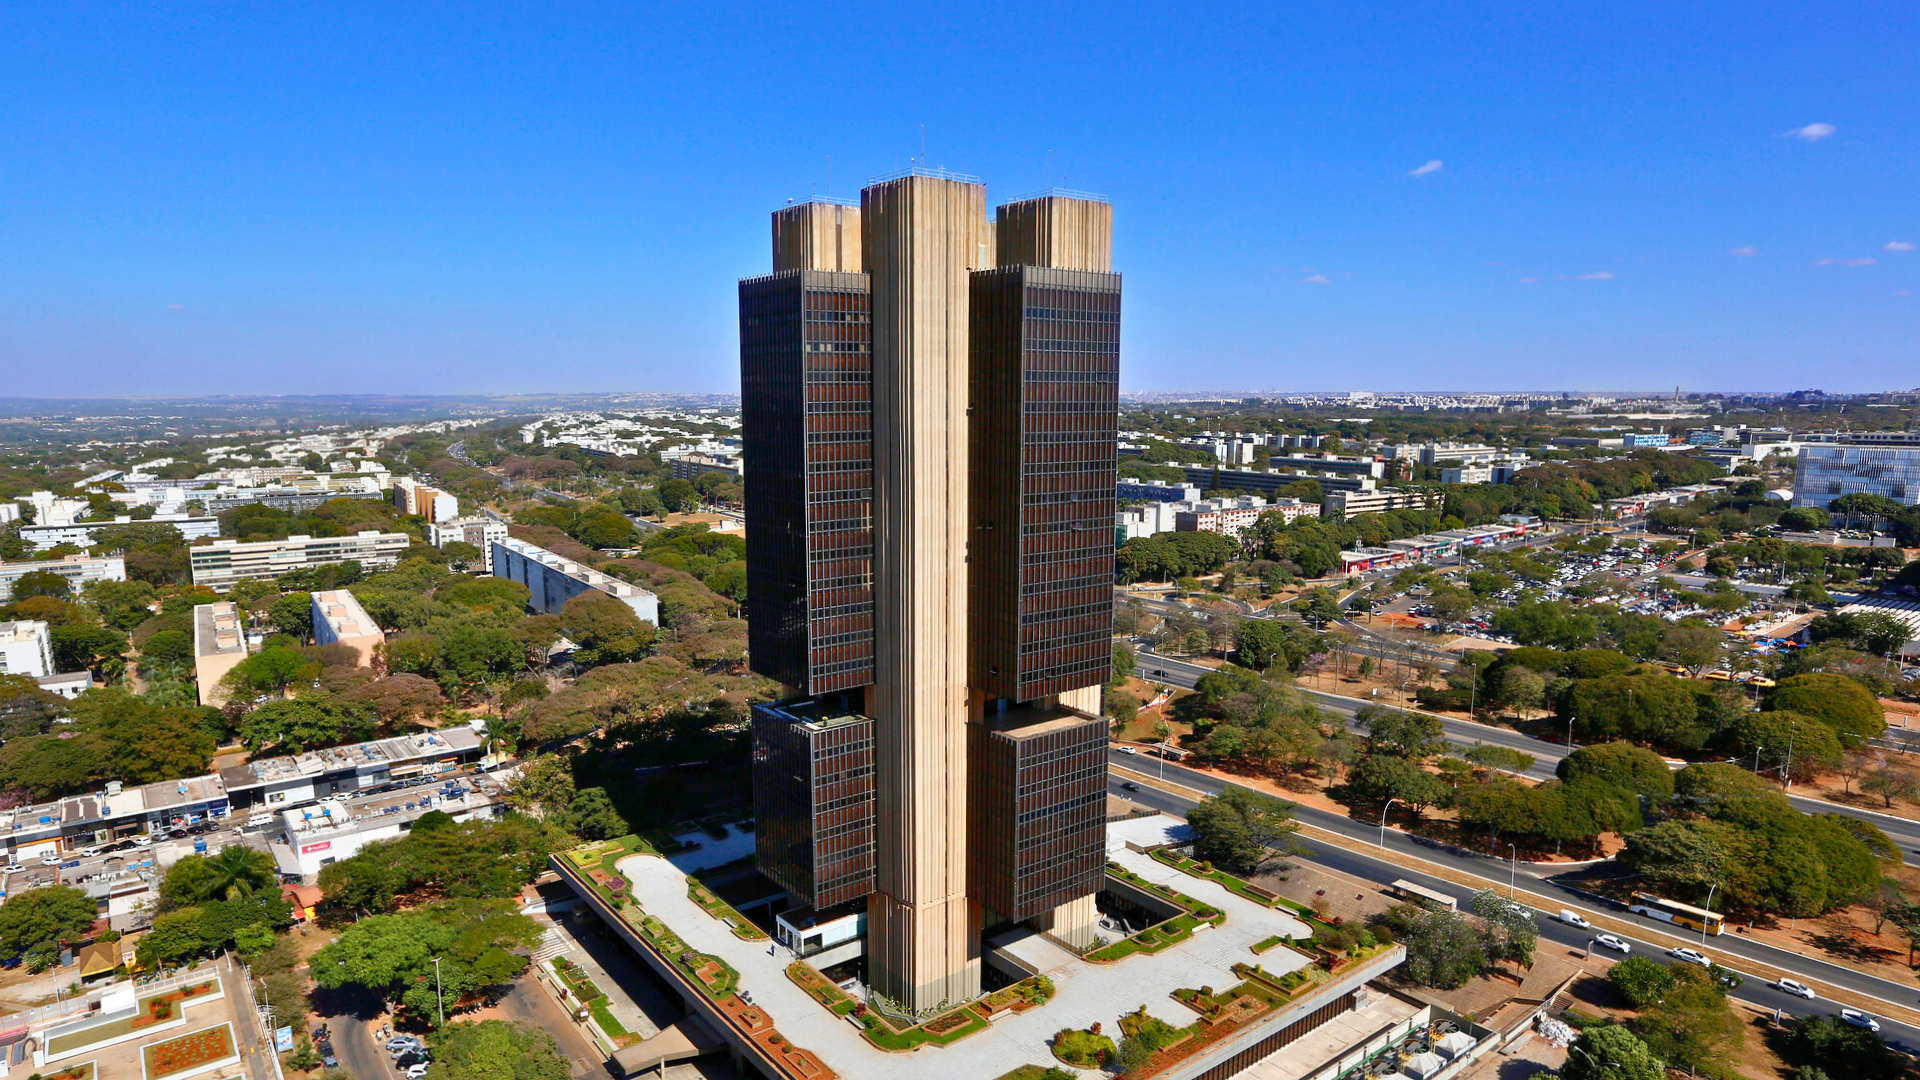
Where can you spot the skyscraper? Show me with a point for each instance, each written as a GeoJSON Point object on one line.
{"type": "Point", "coordinates": [929, 487]}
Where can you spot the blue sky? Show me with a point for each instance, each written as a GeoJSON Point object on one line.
{"type": "Point", "coordinates": [200, 198]}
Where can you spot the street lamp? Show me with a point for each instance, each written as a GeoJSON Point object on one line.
{"type": "Point", "coordinates": [439, 1003]}
{"type": "Point", "coordinates": [1709, 907]}
{"type": "Point", "coordinates": [1756, 757]}
{"type": "Point", "coordinates": [1513, 869]}
{"type": "Point", "coordinates": [1383, 820]}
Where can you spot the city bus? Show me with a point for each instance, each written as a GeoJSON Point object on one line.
{"type": "Point", "coordinates": [1677, 913]}
{"type": "Point", "coordinates": [1431, 899]}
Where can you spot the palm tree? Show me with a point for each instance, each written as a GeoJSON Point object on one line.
{"type": "Point", "coordinates": [233, 872]}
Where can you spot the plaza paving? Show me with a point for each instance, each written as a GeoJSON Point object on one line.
{"type": "Point", "coordinates": [1084, 993]}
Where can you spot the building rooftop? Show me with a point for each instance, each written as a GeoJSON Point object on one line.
{"type": "Point", "coordinates": [588, 576]}
{"type": "Point", "coordinates": [816, 714]}
{"type": "Point", "coordinates": [366, 755]}
{"type": "Point", "coordinates": [1029, 721]}
{"type": "Point", "coordinates": [217, 630]}
{"type": "Point", "coordinates": [343, 614]}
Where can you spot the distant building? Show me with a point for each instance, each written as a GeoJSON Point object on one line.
{"type": "Point", "coordinates": [1146, 519]}
{"type": "Point", "coordinates": [427, 502]}
{"type": "Point", "coordinates": [1637, 439]}
{"type": "Point", "coordinates": [690, 466]}
{"type": "Point", "coordinates": [552, 580]}
{"type": "Point", "coordinates": [219, 644]}
{"type": "Point", "coordinates": [1351, 503]}
{"type": "Point", "coordinates": [79, 570]}
{"type": "Point", "coordinates": [1142, 490]}
{"type": "Point", "coordinates": [1228, 517]}
{"type": "Point", "coordinates": [338, 619]}
{"type": "Point", "coordinates": [1485, 473]}
{"type": "Point", "coordinates": [26, 648]}
{"type": "Point", "coordinates": [479, 530]}
{"type": "Point", "coordinates": [219, 564]}
{"type": "Point", "coordinates": [1827, 471]}
{"type": "Point", "coordinates": [81, 534]}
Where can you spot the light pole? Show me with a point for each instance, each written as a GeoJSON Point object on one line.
{"type": "Point", "coordinates": [1756, 757]}
{"type": "Point", "coordinates": [1786, 767]}
{"type": "Point", "coordinates": [1383, 820]}
{"type": "Point", "coordinates": [1513, 869]}
{"type": "Point", "coordinates": [1709, 907]}
{"type": "Point", "coordinates": [439, 1002]}
{"type": "Point", "coordinates": [1569, 732]}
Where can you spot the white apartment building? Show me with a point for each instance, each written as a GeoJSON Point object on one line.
{"type": "Point", "coordinates": [223, 562]}
{"type": "Point", "coordinates": [79, 570]}
{"type": "Point", "coordinates": [81, 534]}
{"type": "Point", "coordinates": [219, 643]}
{"type": "Point", "coordinates": [1132, 522]}
{"type": "Point", "coordinates": [338, 619]}
{"type": "Point", "coordinates": [1228, 517]}
{"type": "Point", "coordinates": [50, 510]}
{"type": "Point", "coordinates": [26, 648]}
{"type": "Point", "coordinates": [479, 530]}
{"type": "Point", "coordinates": [1349, 503]}
{"type": "Point", "coordinates": [552, 580]}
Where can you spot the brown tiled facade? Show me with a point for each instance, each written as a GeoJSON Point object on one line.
{"type": "Point", "coordinates": [813, 801]}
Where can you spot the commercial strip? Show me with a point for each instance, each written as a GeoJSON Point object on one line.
{"type": "Point", "coordinates": [219, 564]}
{"type": "Point", "coordinates": [79, 571]}
{"type": "Point", "coordinates": [552, 580]}
{"type": "Point", "coordinates": [1432, 546]}
{"type": "Point", "coordinates": [1638, 505]}
{"type": "Point", "coordinates": [321, 834]}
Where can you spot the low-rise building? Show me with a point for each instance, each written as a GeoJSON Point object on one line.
{"type": "Point", "coordinates": [338, 619]}
{"type": "Point", "coordinates": [1486, 472]}
{"type": "Point", "coordinates": [1825, 472]}
{"type": "Point", "coordinates": [479, 530]}
{"type": "Point", "coordinates": [1228, 517]}
{"type": "Point", "coordinates": [219, 644]}
{"type": "Point", "coordinates": [324, 833]}
{"type": "Point", "coordinates": [551, 580]}
{"type": "Point", "coordinates": [1143, 491]}
{"type": "Point", "coordinates": [78, 570]}
{"type": "Point", "coordinates": [26, 648]}
{"type": "Point", "coordinates": [82, 533]}
{"type": "Point", "coordinates": [1144, 519]}
{"type": "Point", "coordinates": [690, 466]}
{"type": "Point", "coordinates": [219, 564]}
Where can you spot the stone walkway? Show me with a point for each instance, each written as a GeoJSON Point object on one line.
{"type": "Point", "coordinates": [1084, 993]}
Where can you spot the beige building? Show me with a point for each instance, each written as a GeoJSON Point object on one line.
{"type": "Point", "coordinates": [219, 643]}
{"type": "Point", "coordinates": [1350, 503]}
{"type": "Point", "coordinates": [338, 619]}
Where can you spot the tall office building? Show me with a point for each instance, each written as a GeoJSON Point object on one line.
{"type": "Point", "coordinates": [930, 440]}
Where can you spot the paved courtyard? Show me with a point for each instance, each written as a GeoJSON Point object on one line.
{"type": "Point", "coordinates": [1085, 993]}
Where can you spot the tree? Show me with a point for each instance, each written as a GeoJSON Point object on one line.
{"type": "Point", "coordinates": [1681, 855]}
{"type": "Point", "coordinates": [293, 614]}
{"type": "Point", "coordinates": [1444, 950]}
{"type": "Point", "coordinates": [1241, 829]}
{"type": "Point", "coordinates": [1641, 981]}
{"type": "Point", "coordinates": [1842, 1049]}
{"type": "Point", "coordinates": [1693, 645]}
{"type": "Point", "coordinates": [1411, 735]}
{"type": "Point", "coordinates": [679, 496]}
{"type": "Point", "coordinates": [1693, 1027]}
{"type": "Point", "coordinates": [233, 872]}
{"type": "Point", "coordinates": [1501, 758]}
{"type": "Point", "coordinates": [85, 646]}
{"type": "Point", "coordinates": [304, 724]}
{"type": "Point", "coordinates": [497, 1050]}
{"type": "Point", "coordinates": [1510, 932]}
{"type": "Point", "coordinates": [45, 916]}
{"type": "Point", "coordinates": [1843, 704]}
{"type": "Point", "coordinates": [1892, 782]}
{"type": "Point", "coordinates": [168, 652]}
{"type": "Point", "coordinates": [1611, 1052]}
{"type": "Point", "coordinates": [40, 583]}
{"type": "Point", "coordinates": [1770, 736]}
{"type": "Point", "coordinates": [593, 815]}
{"type": "Point", "coordinates": [606, 630]}
{"type": "Point", "coordinates": [269, 671]}
{"type": "Point", "coordinates": [1123, 662]}
{"type": "Point", "coordinates": [1260, 643]}
{"type": "Point", "coordinates": [1622, 764]}
{"type": "Point", "coordinates": [122, 605]}
{"type": "Point", "coordinates": [1905, 917]}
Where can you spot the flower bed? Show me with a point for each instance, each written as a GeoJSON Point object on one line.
{"type": "Point", "coordinates": [151, 1012]}
{"type": "Point", "coordinates": [943, 1030]}
{"type": "Point", "coordinates": [720, 909]}
{"type": "Point", "coordinates": [191, 1051]}
{"type": "Point", "coordinates": [1081, 1049]}
{"type": "Point", "coordinates": [1038, 1072]}
{"type": "Point", "coordinates": [1162, 934]}
{"type": "Point", "coordinates": [1236, 885]}
{"type": "Point", "coordinates": [82, 1071]}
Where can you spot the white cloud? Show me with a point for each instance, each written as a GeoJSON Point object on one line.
{"type": "Point", "coordinates": [1899, 245]}
{"type": "Point", "coordinates": [1433, 166]}
{"type": "Point", "coordinates": [1843, 262]}
{"type": "Point", "coordinates": [1747, 252]}
{"type": "Point", "coordinates": [1597, 275]}
{"type": "Point", "coordinates": [1812, 132]}
{"type": "Point", "coordinates": [1317, 279]}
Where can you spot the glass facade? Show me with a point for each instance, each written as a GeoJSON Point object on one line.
{"type": "Point", "coordinates": [1825, 473]}
{"type": "Point", "coordinates": [1038, 834]}
{"type": "Point", "coordinates": [813, 801]}
{"type": "Point", "coordinates": [806, 380]}
{"type": "Point", "coordinates": [1045, 374]}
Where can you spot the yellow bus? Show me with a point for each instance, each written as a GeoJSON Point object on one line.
{"type": "Point", "coordinates": [1677, 913]}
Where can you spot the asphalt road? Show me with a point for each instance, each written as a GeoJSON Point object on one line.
{"type": "Point", "coordinates": [1353, 859]}
{"type": "Point", "coordinates": [1356, 860]}
{"type": "Point", "coordinates": [1903, 832]}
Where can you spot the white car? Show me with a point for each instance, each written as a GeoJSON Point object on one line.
{"type": "Point", "coordinates": [1126, 750]}
{"type": "Point", "coordinates": [415, 1072]}
{"type": "Point", "coordinates": [1618, 945]}
{"type": "Point", "coordinates": [1690, 956]}
{"type": "Point", "coordinates": [1859, 1019]}
{"type": "Point", "coordinates": [1797, 989]}
{"type": "Point", "coordinates": [50, 858]}
{"type": "Point", "coordinates": [143, 840]}
{"type": "Point", "coordinates": [14, 866]}
{"type": "Point", "coordinates": [89, 852]}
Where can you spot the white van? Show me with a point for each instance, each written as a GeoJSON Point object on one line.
{"type": "Point", "coordinates": [257, 820]}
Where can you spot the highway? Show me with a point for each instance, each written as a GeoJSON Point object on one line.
{"type": "Point", "coordinates": [1903, 832]}
{"type": "Point", "coordinates": [1357, 859]}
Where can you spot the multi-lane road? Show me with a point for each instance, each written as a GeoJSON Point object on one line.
{"type": "Point", "coordinates": [1903, 832]}
{"type": "Point", "coordinates": [1363, 858]}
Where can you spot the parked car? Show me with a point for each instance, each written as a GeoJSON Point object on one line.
{"type": "Point", "coordinates": [89, 852]}
{"type": "Point", "coordinates": [1574, 918]}
{"type": "Point", "coordinates": [143, 840]}
{"type": "Point", "coordinates": [412, 1056]}
{"type": "Point", "coordinates": [1690, 956]}
{"type": "Point", "coordinates": [1618, 945]}
{"type": "Point", "coordinates": [402, 1042]}
{"type": "Point", "coordinates": [1859, 1019]}
{"type": "Point", "coordinates": [415, 1072]}
{"type": "Point", "coordinates": [1794, 987]}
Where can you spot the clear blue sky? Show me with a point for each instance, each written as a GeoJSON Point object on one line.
{"type": "Point", "coordinates": [202, 198]}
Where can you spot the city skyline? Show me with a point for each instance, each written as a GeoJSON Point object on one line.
{"type": "Point", "coordinates": [1477, 200]}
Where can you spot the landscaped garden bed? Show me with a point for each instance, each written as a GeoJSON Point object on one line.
{"type": "Point", "coordinates": [1161, 934]}
{"type": "Point", "coordinates": [1240, 887]}
{"type": "Point", "coordinates": [1082, 1049]}
{"type": "Point", "coordinates": [588, 993]}
{"type": "Point", "coordinates": [943, 1030]}
{"type": "Point", "coordinates": [1038, 1072]}
{"type": "Point", "coordinates": [194, 1050]}
{"type": "Point", "coordinates": [720, 909]}
{"type": "Point", "coordinates": [152, 1011]}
